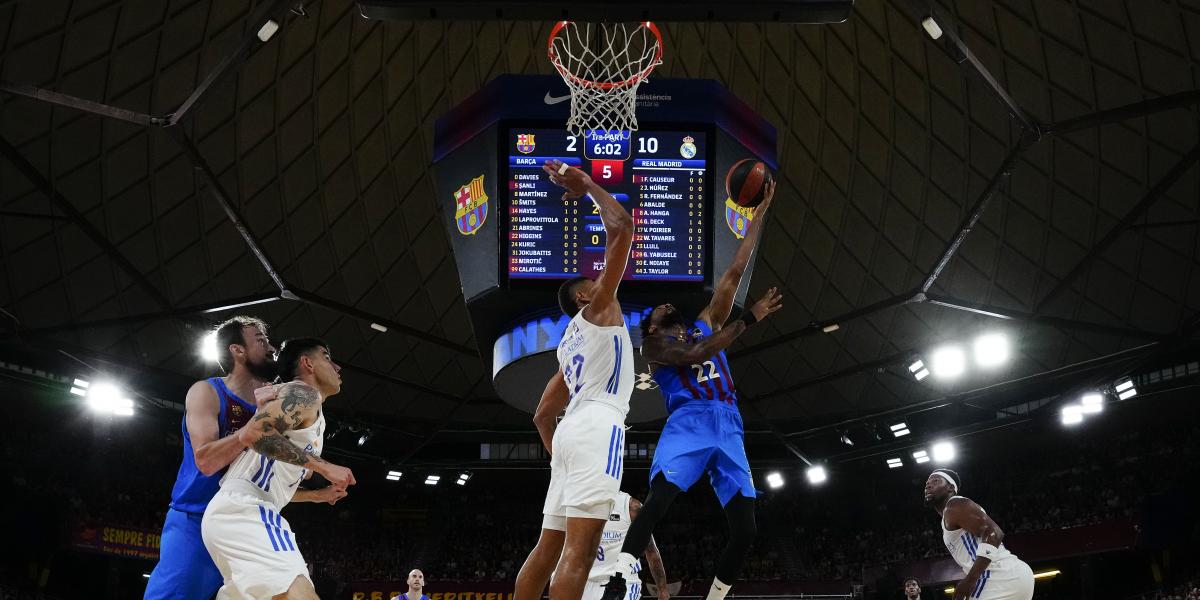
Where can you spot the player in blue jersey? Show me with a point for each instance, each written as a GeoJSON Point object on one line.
{"type": "Point", "coordinates": [416, 587]}
{"type": "Point", "coordinates": [703, 432]}
{"type": "Point", "coordinates": [214, 408]}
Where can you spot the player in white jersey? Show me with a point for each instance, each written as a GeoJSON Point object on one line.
{"type": "Point", "coordinates": [976, 543]}
{"type": "Point", "coordinates": [593, 384]}
{"type": "Point", "coordinates": [253, 546]}
{"type": "Point", "coordinates": [624, 511]}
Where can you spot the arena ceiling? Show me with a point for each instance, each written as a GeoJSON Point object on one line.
{"type": "Point", "coordinates": [146, 142]}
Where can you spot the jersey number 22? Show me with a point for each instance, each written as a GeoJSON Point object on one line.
{"type": "Point", "coordinates": [712, 373]}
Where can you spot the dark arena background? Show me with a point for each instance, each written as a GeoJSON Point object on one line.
{"type": "Point", "coordinates": [986, 232]}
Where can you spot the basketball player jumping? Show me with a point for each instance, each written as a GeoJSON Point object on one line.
{"type": "Point", "coordinates": [703, 433]}
{"type": "Point", "coordinates": [593, 385]}
{"type": "Point", "coordinates": [976, 543]}
{"type": "Point", "coordinates": [214, 408]}
{"type": "Point", "coordinates": [251, 543]}
{"type": "Point", "coordinates": [624, 512]}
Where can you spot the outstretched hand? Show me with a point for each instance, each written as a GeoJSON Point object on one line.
{"type": "Point", "coordinates": [769, 303]}
{"type": "Point", "coordinates": [575, 180]}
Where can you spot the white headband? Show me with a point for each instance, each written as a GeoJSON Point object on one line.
{"type": "Point", "coordinates": [949, 479]}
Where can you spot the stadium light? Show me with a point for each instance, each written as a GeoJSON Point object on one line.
{"type": "Point", "coordinates": [918, 370]}
{"type": "Point", "coordinates": [1047, 574]}
{"type": "Point", "coordinates": [1092, 403]}
{"type": "Point", "coordinates": [948, 362]}
{"type": "Point", "coordinates": [79, 387]}
{"type": "Point", "coordinates": [845, 439]}
{"type": "Point", "coordinates": [894, 463]}
{"type": "Point", "coordinates": [943, 452]}
{"type": "Point", "coordinates": [921, 457]}
{"type": "Point", "coordinates": [991, 350]}
{"type": "Point", "coordinates": [364, 438]}
{"type": "Point", "coordinates": [1125, 389]}
{"type": "Point", "coordinates": [1072, 414]}
{"type": "Point", "coordinates": [816, 474]}
{"type": "Point", "coordinates": [432, 479]}
{"type": "Point", "coordinates": [900, 430]}
{"type": "Point", "coordinates": [394, 475]}
{"type": "Point", "coordinates": [774, 480]}
{"type": "Point", "coordinates": [108, 398]}
{"type": "Point", "coordinates": [463, 478]}
{"type": "Point", "coordinates": [208, 348]}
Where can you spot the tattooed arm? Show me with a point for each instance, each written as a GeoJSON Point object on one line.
{"type": "Point", "coordinates": [296, 407]}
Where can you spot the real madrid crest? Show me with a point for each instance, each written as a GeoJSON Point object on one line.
{"type": "Point", "coordinates": [471, 205]}
{"type": "Point", "coordinates": [688, 149]}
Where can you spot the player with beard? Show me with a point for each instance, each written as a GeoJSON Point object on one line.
{"type": "Point", "coordinates": [976, 543]}
{"type": "Point", "coordinates": [214, 408]}
{"type": "Point", "coordinates": [703, 432]}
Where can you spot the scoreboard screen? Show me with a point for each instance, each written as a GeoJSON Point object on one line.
{"type": "Point", "coordinates": [661, 177]}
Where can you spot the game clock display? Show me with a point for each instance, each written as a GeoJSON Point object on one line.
{"type": "Point", "coordinates": [660, 177]}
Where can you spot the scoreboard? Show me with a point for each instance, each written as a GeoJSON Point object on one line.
{"type": "Point", "coordinates": [515, 238]}
{"type": "Point", "coordinates": [660, 177]}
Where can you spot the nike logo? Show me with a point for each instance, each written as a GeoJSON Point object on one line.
{"type": "Point", "coordinates": [555, 100]}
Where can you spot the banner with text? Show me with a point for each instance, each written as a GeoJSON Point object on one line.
{"type": "Point", "coordinates": [386, 590]}
{"type": "Point", "coordinates": [118, 541]}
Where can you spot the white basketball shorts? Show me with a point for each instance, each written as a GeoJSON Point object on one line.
{"type": "Point", "coordinates": [253, 546]}
{"type": "Point", "coordinates": [585, 465]}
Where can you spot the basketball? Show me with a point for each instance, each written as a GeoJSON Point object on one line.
{"type": "Point", "coordinates": [747, 181]}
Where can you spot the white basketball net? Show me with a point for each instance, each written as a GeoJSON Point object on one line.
{"type": "Point", "coordinates": [603, 64]}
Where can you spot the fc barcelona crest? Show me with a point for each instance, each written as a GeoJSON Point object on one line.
{"type": "Point", "coordinates": [471, 207]}
{"type": "Point", "coordinates": [738, 218]}
{"type": "Point", "coordinates": [525, 143]}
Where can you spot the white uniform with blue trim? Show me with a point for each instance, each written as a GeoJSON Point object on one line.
{"type": "Point", "coordinates": [588, 451]}
{"type": "Point", "coordinates": [253, 546]}
{"type": "Point", "coordinates": [606, 554]}
{"type": "Point", "coordinates": [1006, 578]}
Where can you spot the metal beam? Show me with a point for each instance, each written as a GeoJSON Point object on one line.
{"type": "Point", "coordinates": [209, 307]}
{"type": "Point", "coordinates": [1122, 113]}
{"type": "Point", "coordinates": [350, 311]}
{"type": "Point", "coordinates": [267, 11]}
{"type": "Point", "coordinates": [1174, 175]}
{"type": "Point", "coordinates": [37, 179]}
{"type": "Point", "coordinates": [928, 9]}
{"type": "Point", "coordinates": [976, 212]}
{"type": "Point", "coordinates": [209, 179]}
{"type": "Point", "coordinates": [1015, 315]}
{"type": "Point", "coordinates": [15, 214]}
{"type": "Point", "coordinates": [880, 363]}
{"type": "Point", "coordinates": [80, 104]}
{"type": "Point", "coordinates": [1161, 224]}
{"type": "Point", "coordinates": [819, 326]}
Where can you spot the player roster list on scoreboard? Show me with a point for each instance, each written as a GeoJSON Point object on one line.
{"type": "Point", "coordinates": [659, 177]}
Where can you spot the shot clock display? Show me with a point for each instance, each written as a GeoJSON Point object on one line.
{"type": "Point", "coordinates": [661, 177]}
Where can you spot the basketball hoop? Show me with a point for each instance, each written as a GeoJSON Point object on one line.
{"type": "Point", "coordinates": [602, 65]}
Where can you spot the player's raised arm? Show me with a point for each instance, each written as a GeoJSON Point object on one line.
{"type": "Point", "coordinates": [717, 311]}
{"type": "Point", "coordinates": [618, 233]}
{"type": "Point", "coordinates": [297, 407]}
{"type": "Point", "coordinates": [664, 350]}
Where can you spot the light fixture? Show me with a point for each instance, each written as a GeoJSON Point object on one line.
{"type": "Point", "coordinates": [948, 362]}
{"type": "Point", "coordinates": [774, 480]}
{"type": "Point", "coordinates": [208, 347]}
{"type": "Point", "coordinates": [1125, 389]}
{"type": "Point", "coordinates": [943, 452]}
{"type": "Point", "coordinates": [1072, 414]}
{"type": "Point", "coordinates": [845, 439]}
{"type": "Point", "coordinates": [921, 457]}
{"type": "Point", "coordinates": [79, 387]}
{"type": "Point", "coordinates": [267, 30]}
{"type": "Point", "coordinates": [1047, 574]}
{"type": "Point", "coordinates": [432, 479]}
{"type": "Point", "coordinates": [394, 475]}
{"type": "Point", "coordinates": [1092, 403]}
{"type": "Point", "coordinates": [900, 430]}
{"type": "Point", "coordinates": [364, 438]}
{"type": "Point", "coordinates": [816, 474]}
{"type": "Point", "coordinates": [463, 478]}
{"type": "Point", "coordinates": [931, 27]}
{"type": "Point", "coordinates": [108, 398]}
{"type": "Point", "coordinates": [894, 463]}
{"type": "Point", "coordinates": [991, 350]}
{"type": "Point", "coordinates": [918, 370]}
